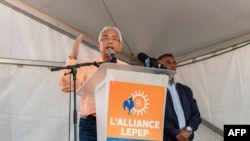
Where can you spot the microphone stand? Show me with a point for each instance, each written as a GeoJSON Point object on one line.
{"type": "Point", "coordinates": [73, 69]}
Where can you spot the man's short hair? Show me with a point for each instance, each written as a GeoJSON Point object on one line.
{"type": "Point", "coordinates": [110, 28]}
{"type": "Point", "coordinates": [165, 55]}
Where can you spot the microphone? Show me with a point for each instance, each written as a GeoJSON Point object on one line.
{"type": "Point", "coordinates": [149, 61]}
{"type": "Point", "coordinates": [112, 56]}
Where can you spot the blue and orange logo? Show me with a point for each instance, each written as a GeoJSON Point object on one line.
{"type": "Point", "coordinates": [137, 103]}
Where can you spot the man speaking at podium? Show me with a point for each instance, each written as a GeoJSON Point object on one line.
{"type": "Point", "coordinates": [182, 116]}
{"type": "Point", "coordinates": [110, 44]}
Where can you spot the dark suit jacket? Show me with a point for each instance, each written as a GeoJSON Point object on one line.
{"type": "Point", "coordinates": [190, 109]}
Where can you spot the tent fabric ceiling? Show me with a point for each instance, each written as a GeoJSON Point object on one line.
{"type": "Point", "coordinates": [184, 28]}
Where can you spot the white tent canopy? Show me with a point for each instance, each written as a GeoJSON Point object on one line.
{"type": "Point", "coordinates": [183, 28]}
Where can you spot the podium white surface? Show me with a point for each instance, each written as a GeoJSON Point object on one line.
{"type": "Point", "coordinates": [106, 80]}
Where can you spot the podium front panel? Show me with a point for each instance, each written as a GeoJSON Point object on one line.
{"type": "Point", "coordinates": [130, 106]}
{"type": "Point", "coordinates": [135, 111]}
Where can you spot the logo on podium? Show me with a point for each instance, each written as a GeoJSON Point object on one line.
{"type": "Point", "coordinates": [135, 112]}
{"type": "Point", "coordinates": [137, 103]}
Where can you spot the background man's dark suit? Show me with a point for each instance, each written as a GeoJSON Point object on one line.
{"type": "Point", "coordinates": [190, 109]}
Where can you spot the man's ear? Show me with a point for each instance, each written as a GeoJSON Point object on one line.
{"type": "Point", "coordinates": [120, 49]}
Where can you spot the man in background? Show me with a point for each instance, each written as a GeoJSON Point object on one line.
{"type": "Point", "coordinates": [182, 116]}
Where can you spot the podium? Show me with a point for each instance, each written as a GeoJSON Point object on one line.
{"type": "Point", "coordinates": [130, 101]}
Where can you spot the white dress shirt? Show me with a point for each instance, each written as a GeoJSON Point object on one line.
{"type": "Point", "coordinates": [177, 105]}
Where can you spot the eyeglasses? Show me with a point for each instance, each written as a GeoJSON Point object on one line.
{"type": "Point", "coordinates": [105, 39]}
